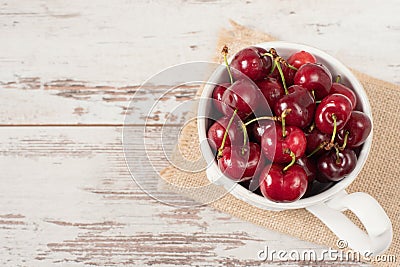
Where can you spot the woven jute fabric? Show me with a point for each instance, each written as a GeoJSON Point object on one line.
{"type": "Point", "coordinates": [379, 177]}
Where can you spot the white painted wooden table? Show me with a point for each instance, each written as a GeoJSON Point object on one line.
{"type": "Point", "coordinates": [67, 72]}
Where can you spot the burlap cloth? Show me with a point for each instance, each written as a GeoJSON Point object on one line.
{"type": "Point", "coordinates": [379, 178]}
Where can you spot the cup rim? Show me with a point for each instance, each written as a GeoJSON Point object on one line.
{"type": "Point", "coordinates": [260, 201]}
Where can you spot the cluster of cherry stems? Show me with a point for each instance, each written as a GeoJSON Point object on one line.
{"type": "Point", "coordinates": [305, 130]}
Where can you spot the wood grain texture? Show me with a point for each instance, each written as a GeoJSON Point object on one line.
{"type": "Point", "coordinates": [67, 73]}
{"type": "Point", "coordinates": [68, 198]}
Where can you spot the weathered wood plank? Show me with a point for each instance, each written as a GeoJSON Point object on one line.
{"type": "Point", "coordinates": [70, 102]}
{"type": "Point", "coordinates": [124, 42]}
{"type": "Point", "coordinates": [67, 197]}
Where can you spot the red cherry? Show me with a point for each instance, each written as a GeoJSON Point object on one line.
{"type": "Point", "coordinates": [277, 148]}
{"type": "Point", "coordinates": [338, 88]}
{"type": "Point", "coordinates": [333, 168]}
{"type": "Point", "coordinates": [215, 133]}
{"type": "Point", "coordinates": [336, 104]}
{"type": "Point", "coordinates": [358, 127]}
{"type": "Point", "coordinates": [309, 166]}
{"type": "Point", "coordinates": [238, 166]}
{"type": "Point", "coordinates": [219, 90]}
{"type": "Point", "coordinates": [314, 77]}
{"type": "Point", "coordinates": [242, 95]}
{"type": "Point", "coordinates": [315, 139]}
{"type": "Point", "coordinates": [249, 62]}
{"type": "Point", "coordinates": [300, 58]}
{"type": "Point", "coordinates": [301, 103]}
{"type": "Point", "coordinates": [256, 129]}
{"type": "Point", "coordinates": [283, 186]}
{"type": "Point", "coordinates": [271, 89]}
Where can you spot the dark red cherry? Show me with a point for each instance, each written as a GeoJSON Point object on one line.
{"type": "Point", "coordinates": [272, 90]}
{"type": "Point", "coordinates": [238, 166]}
{"type": "Point", "coordinates": [310, 167]}
{"type": "Point", "coordinates": [337, 104]}
{"type": "Point", "coordinates": [216, 132]}
{"type": "Point", "coordinates": [315, 139]}
{"type": "Point", "coordinates": [266, 59]}
{"type": "Point", "coordinates": [283, 186]}
{"type": "Point", "coordinates": [338, 88]}
{"type": "Point", "coordinates": [359, 127]}
{"type": "Point", "coordinates": [249, 62]}
{"type": "Point", "coordinates": [256, 129]}
{"type": "Point", "coordinates": [277, 148]}
{"type": "Point", "coordinates": [300, 58]}
{"type": "Point", "coordinates": [314, 77]}
{"type": "Point", "coordinates": [288, 73]}
{"type": "Point", "coordinates": [219, 90]}
{"type": "Point", "coordinates": [301, 103]}
{"type": "Point", "coordinates": [332, 168]}
{"type": "Point", "coordinates": [317, 187]}
{"type": "Point", "coordinates": [242, 95]}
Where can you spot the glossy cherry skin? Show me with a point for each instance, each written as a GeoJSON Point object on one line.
{"type": "Point", "coordinates": [338, 88]}
{"type": "Point", "coordinates": [315, 139]}
{"type": "Point", "coordinates": [219, 90]}
{"type": "Point", "coordinates": [314, 77]}
{"type": "Point", "coordinates": [238, 166]}
{"type": "Point", "coordinates": [331, 170]}
{"type": "Point", "coordinates": [242, 95]}
{"type": "Point", "coordinates": [272, 90]}
{"type": "Point", "coordinates": [300, 58]}
{"type": "Point", "coordinates": [309, 166]}
{"type": "Point", "coordinates": [337, 104]}
{"type": "Point", "coordinates": [283, 186]}
{"type": "Point", "coordinates": [216, 132]}
{"type": "Point", "coordinates": [256, 129]}
{"type": "Point", "coordinates": [275, 147]}
{"type": "Point", "coordinates": [302, 105]}
{"type": "Point", "coordinates": [359, 127]}
{"type": "Point", "coordinates": [249, 62]}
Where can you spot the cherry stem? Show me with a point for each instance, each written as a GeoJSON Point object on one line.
{"type": "Point", "coordinates": [317, 101]}
{"type": "Point", "coordinates": [313, 94]}
{"type": "Point", "coordinates": [221, 148]}
{"type": "Point", "coordinates": [278, 65]}
{"type": "Point", "coordinates": [337, 156]}
{"type": "Point", "coordinates": [244, 136]}
{"type": "Point", "coordinates": [283, 116]}
{"type": "Point", "coordinates": [338, 79]}
{"type": "Point", "coordinates": [272, 56]}
{"type": "Point", "coordinates": [318, 148]}
{"type": "Point", "coordinates": [290, 66]}
{"type": "Point", "coordinates": [292, 162]}
{"type": "Point", "coordinates": [346, 136]}
{"type": "Point", "coordinates": [311, 127]}
{"type": "Point", "coordinates": [273, 66]}
{"type": "Point", "coordinates": [267, 54]}
{"type": "Point", "coordinates": [225, 53]}
{"type": "Point", "coordinates": [334, 128]}
{"type": "Point", "coordinates": [262, 118]}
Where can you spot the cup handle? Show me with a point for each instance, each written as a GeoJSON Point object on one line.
{"type": "Point", "coordinates": [370, 213]}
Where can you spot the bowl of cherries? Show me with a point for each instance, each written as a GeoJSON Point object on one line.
{"type": "Point", "coordinates": [287, 126]}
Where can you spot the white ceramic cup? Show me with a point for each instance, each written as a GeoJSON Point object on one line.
{"type": "Point", "coordinates": [328, 205]}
